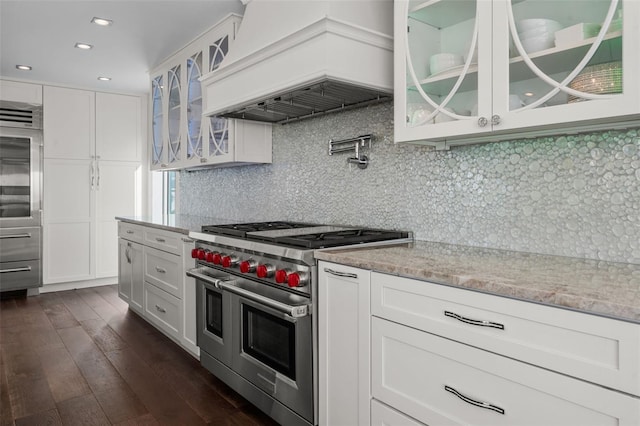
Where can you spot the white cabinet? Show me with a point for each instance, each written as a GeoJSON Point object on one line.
{"type": "Point", "coordinates": [92, 173]}
{"type": "Point", "coordinates": [446, 355]}
{"type": "Point", "coordinates": [181, 136]}
{"type": "Point", "coordinates": [15, 91]}
{"type": "Point", "coordinates": [130, 274]}
{"type": "Point", "coordinates": [153, 281]}
{"type": "Point", "coordinates": [474, 73]}
{"type": "Point", "coordinates": [343, 330]}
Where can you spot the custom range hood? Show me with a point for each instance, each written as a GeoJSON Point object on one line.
{"type": "Point", "coordinates": [295, 59]}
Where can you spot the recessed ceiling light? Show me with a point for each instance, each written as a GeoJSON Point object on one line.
{"type": "Point", "coordinates": [84, 46]}
{"type": "Point", "coordinates": [529, 94]}
{"type": "Point", "coordinates": [104, 78]}
{"type": "Point", "coordinates": [23, 67]}
{"type": "Point", "coordinates": [101, 21]}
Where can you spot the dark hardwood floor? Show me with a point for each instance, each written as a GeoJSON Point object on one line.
{"type": "Point", "coordinates": [80, 357]}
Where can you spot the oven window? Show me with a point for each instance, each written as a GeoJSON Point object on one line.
{"type": "Point", "coordinates": [270, 340]}
{"type": "Point", "coordinates": [214, 312]}
{"type": "Point", "coordinates": [15, 176]}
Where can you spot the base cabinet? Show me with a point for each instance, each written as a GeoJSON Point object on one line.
{"type": "Point", "coordinates": [152, 280]}
{"type": "Point", "coordinates": [343, 330]}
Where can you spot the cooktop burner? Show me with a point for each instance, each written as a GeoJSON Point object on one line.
{"type": "Point", "coordinates": [304, 235]}
{"type": "Point", "coordinates": [241, 229]}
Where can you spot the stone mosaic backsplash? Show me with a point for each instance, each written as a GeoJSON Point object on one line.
{"type": "Point", "coordinates": [576, 195]}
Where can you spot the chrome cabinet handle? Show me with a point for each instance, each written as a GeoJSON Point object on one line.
{"type": "Point", "coordinates": [481, 323]}
{"type": "Point", "coordinates": [161, 309]}
{"type": "Point", "coordinates": [4, 237]}
{"type": "Point", "coordinates": [98, 175]}
{"type": "Point", "coordinates": [340, 274]}
{"type": "Point", "coordinates": [93, 176]}
{"type": "Point", "coordinates": [482, 121]}
{"type": "Point", "coordinates": [161, 270]}
{"type": "Point", "coordinates": [22, 269]}
{"type": "Point", "coordinates": [127, 254]}
{"type": "Point", "coordinates": [129, 231]}
{"type": "Point", "coordinates": [495, 120]}
{"type": "Point", "coordinates": [161, 240]}
{"type": "Point", "coordinates": [471, 401]}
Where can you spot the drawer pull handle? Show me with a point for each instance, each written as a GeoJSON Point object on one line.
{"type": "Point", "coordinates": [481, 323]}
{"type": "Point", "coordinates": [21, 269]}
{"type": "Point", "coordinates": [161, 240]}
{"type": "Point", "coordinates": [340, 274]}
{"type": "Point", "coordinates": [161, 270]}
{"type": "Point", "coordinates": [468, 400]}
{"type": "Point", "coordinates": [161, 309]}
{"type": "Point", "coordinates": [5, 237]}
{"type": "Point", "coordinates": [129, 231]}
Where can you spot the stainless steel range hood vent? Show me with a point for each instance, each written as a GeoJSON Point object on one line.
{"type": "Point", "coordinates": [312, 101]}
{"type": "Point", "coordinates": [298, 59]}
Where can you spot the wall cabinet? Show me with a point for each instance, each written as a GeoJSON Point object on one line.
{"type": "Point", "coordinates": [15, 91]}
{"type": "Point", "coordinates": [344, 341]}
{"type": "Point", "coordinates": [182, 137]}
{"type": "Point", "coordinates": [154, 283]}
{"type": "Point", "coordinates": [483, 72]}
{"type": "Point", "coordinates": [92, 173]}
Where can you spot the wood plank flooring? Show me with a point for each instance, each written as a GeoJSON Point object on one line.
{"type": "Point", "coordinates": [80, 357]}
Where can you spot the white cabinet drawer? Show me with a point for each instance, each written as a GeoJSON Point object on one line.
{"type": "Point", "coordinates": [163, 240]}
{"type": "Point", "coordinates": [163, 270]}
{"type": "Point", "coordinates": [130, 232]}
{"type": "Point", "coordinates": [163, 310]}
{"type": "Point", "coordinates": [596, 349]}
{"type": "Point", "coordinates": [382, 415]}
{"type": "Point", "coordinates": [419, 373]}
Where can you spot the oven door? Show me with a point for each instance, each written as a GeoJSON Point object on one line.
{"type": "Point", "coordinates": [273, 343]}
{"type": "Point", "coordinates": [213, 314]}
{"type": "Point", "coordinates": [20, 177]}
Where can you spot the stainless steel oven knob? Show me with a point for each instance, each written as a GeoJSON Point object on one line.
{"type": "Point", "coordinates": [298, 279]}
{"type": "Point", "coordinates": [281, 275]}
{"type": "Point", "coordinates": [229, 261]}
{"type": "Point", "coordinates": [265, 271]}
{"type": "Point", "coordinates": [247, 266]}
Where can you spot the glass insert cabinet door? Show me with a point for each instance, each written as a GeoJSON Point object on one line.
{"type": "Point", "coordinates": [174, 113]}
{"type": "Point", "coordinates": [218, 138]}
{"type": "Point", "coordinates": [194, 106]}
{"type": "Point", "coordinates": [493, 65]}
{"type": "Point", "coordinates": [157, 147]}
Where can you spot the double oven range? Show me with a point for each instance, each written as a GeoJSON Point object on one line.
{"type": "Point", "coordinates": [256, 308]}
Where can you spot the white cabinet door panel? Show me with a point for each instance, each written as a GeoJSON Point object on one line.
{"type": "Point", "coordinates": [69, 123]}
{"type": "Point", "coordinates": [67, 191]}
{"type": "Point", "coordinates": [68, 252]}
{"type": "Point", "coordinates": [118, 127]}
{"type": "Point", "coordinates": [15, 91]}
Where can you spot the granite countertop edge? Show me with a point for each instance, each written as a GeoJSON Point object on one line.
{"type": "Point", "coordinates": [620, 300]}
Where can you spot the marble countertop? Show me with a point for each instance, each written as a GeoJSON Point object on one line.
{"type": "Point", "coordinates": [182, 223]}
{"type": "Point", "coordinates": [591, 286]}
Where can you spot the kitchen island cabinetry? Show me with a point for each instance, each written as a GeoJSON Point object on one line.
{"type": "Point", "coordinates": [489, 71]}
{"type": "Point", "coordinates": [166, 295]}
{"type": "Point", "coordinates": [440, 354]}
{"type": "Point", "coordinates": [182, 138]}
{"type": "Point", "coordinates": [344, 342]}
{"type": "Point", "coordinates": [92, 172]}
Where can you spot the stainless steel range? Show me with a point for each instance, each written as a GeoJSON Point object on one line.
{"type": "Point", "coordinates": [257, 328]}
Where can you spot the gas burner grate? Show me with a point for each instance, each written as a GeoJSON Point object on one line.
{"type": "Point", "coordinates": [341, 238]}
{"type": "Point", "coordinates": [241, 229]}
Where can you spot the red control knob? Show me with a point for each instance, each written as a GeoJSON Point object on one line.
{"type": "Point", "coordinates": [265, 271]}
{"type": "Point", "coordinates": [194, 253]}
{"type": "Point", "coordinates": [297, 279]}
{"type": "Point", "coordinates": [229, 261]}
{"type": "Point", "coordinates": [217, 259]}
{"type": "Point", "coordinates": [201, 254]}
{"type": "Point", "coordinates": [208, 256]}
{"type": "Point", "coordinates": [281, 275]}
{"type": "Point", "coordinates": [247, 266]}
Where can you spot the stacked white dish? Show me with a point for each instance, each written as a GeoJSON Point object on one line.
{"type": "Point", "coordinates": [444, 61]}
{"type": "Point", "coordinates": [537, 34]}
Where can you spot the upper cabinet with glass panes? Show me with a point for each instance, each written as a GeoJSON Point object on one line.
{"type": "Point", "coordinates": [469, 71]}
{"type": "Point", "coordinates": [181, 137]}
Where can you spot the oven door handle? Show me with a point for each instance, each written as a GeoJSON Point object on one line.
{"type": "Point", "coordinates": [197, 274]}
{"type": "Point", "coordinates": [291, 311]}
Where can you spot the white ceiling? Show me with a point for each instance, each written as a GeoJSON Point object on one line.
{"type": "Point", "coordinates": [42, 34]}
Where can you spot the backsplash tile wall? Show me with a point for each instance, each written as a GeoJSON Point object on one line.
{"type": "Point", "coordinates": [573, 195]}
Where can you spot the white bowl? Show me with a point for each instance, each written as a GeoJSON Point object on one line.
{"type": "Point", "coordinates": [540, 31]}
{"type": "Point", "coordinates": [535, 44]}
{"type": "Point", "coordinates": [530, 24]}
{"type": "Point", "coordinates": [442, 61]}
{"type": "Point", "coordinates": [420, 115]}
